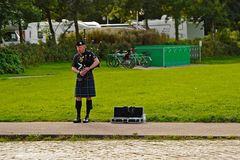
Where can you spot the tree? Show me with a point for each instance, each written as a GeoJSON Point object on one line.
{"type": "Point", "coordinates": [117, 11]}
{"type": "Point", "coordinates": [18, 12]}
{"type": "Point", "coordinates": [212, 12]}
{"type": "Point", "coordinates": [127, 10]}
{"type": "Point", "coordinates": [100, 10]}
{"type": "Point", "coordinates": [177, 10]}
{"type": "Point", "coordinates": [74, 10]}
{"type": "Point", "coordinates": [233, 13]}
{"type": "Point", "coordinates": [150, 9]}
{"type": "Point", "coordinates": [49, 8]}
{"type": "Point", "coordinates": [5, 15]}
{"type": "Point", "coordinates": [24, 12]}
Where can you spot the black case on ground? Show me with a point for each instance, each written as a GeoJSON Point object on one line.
{"type": "Point", "coordinates": [128, 114]}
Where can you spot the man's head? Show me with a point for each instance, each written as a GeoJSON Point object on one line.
{"type": "Point", "coordinates": [81, 47]}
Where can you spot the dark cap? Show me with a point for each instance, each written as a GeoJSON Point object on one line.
{"type": "Point", "coordinates": [80, 43]}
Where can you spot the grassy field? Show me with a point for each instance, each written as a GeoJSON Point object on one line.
{"type": "Point", "coordinates": [196, 93]}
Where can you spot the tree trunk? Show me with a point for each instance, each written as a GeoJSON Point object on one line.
{"type": "Point", "coordinates": [213, 31]}
{"type": "Point", "coordinates": [53, 39]}
{"type": "Point", "coordinates": [20, 30]}
{"type": "Point", "coordinates": [146, 24]}
{"type": "Point", "coordinates": [76, 28]}
{"type": "Point", "coordinates": [176, 28]}
{"type": "Point", "coordinates": [0, 34]}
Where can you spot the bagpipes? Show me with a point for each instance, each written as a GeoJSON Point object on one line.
{"type": "Point", "coordinates": [83, 69]}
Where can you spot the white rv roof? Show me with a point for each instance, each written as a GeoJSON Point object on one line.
{"type": "Point", "coordinates": [82, 25]}
{"type": "Point", "coordinates": [115, 25]}
{"type": "Point", "coordinates": [93, 24]}
{"type": "Point", "coordinates": [124, 26]}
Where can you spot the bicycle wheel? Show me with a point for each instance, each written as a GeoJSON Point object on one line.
{"type": "Point", "coordinates": [129, 63]}
{"type": "Point", "coordinates": [147, 61]}
{"type": "Point", "coordinates": [108, 59]}
{"type": "Point", "coordinates": [115, 62]}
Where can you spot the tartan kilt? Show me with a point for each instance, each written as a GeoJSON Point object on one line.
{"type": "Point", "coordinates": [85, 87]}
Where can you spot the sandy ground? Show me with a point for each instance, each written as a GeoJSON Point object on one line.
{"type": "Point", "coordinates": [120, 149]}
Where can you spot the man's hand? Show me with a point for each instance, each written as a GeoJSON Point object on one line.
{"type": "Point", "coordinates": [84, 71]}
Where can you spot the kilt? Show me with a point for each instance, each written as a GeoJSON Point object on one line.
{"type": "Point", "coordinates": [85, 87]}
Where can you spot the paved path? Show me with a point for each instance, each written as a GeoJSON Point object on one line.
{"type": "Point", "coordinates": [106, 129]}
{"type": "Point", "coordinates": [21, 77]}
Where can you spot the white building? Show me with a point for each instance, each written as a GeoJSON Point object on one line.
{"type": "Point", "coordinates": [187, 30]}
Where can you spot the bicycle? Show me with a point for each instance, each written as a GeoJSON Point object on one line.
{"type": "Point", "coordinates": [117, 59]}
{"type": "Point", "coordinates": [111, 61]}
{"type": "Point", "coordinates": [142, 60]}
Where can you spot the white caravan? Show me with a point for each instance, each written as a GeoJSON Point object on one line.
{"type": "Point", "coordinates": [9, 38]}
{"type": "Point", "coordinates": [187, 30]}
{"type": "Point", "coordinates": [38, 31]}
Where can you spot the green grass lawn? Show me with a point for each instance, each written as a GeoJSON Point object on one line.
{"type": "Point", "coordinates": [197, 93]}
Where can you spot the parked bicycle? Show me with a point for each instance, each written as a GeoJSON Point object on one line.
{"type": "Point", "coordinates": [117, 59]}
{"type": "Point", "coordinates": [142, 60]}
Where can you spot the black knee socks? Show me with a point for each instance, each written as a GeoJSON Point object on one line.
{"type": "Point", "coordinates": [89, 107]}
{"type": "Point", "coordinates": [78, 106]}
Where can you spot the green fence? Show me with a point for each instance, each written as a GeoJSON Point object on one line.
{"type": "Point", "coordinates": [195, 54]}
{"type": "Point", "coordinates": [167, 55]}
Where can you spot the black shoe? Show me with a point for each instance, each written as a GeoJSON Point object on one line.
{"type": "Point", "coordinates": [77, 120]}
{"type": "Point", "coordinates": [85, 120]}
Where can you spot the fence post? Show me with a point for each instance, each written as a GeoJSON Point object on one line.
{"type": "Point", "coordinates": [164, 57]}
{"type": "Point", "coordinates": [200, 51]}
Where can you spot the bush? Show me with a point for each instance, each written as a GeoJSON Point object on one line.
{"type": "Point", "coordinates": [32, 54]}
{"type": "Point", "coordinates": [105, 41]}
{"type": "Point", "coordinates": [59, 52]}
{"type": "Point", "coordinates": [224, 44]}
{"type": "Point", "coordinates": [29, 54]}
{"type": "Point", "coordinates": [9, 61]}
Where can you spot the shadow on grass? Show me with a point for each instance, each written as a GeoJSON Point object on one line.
{"type": "Point", "coordinates": [204, 119]}
{"type": "Point", "coordinates": [221, 60]}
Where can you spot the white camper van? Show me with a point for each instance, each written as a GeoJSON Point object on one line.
{"type": "Point", "coordinates": [39, 31]}
{"type": "Point", "coordinates": [36, 32]}
{"type": "Point", "coordinates": [9, 38]}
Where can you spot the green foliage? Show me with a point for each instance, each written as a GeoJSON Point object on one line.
{"type": "Point", "coordinates": [221, 60]}
{"type": "Point", "coordinates": [59, 53]}
{"type": "Point", "coordinates": [233, 13]}
{"type": "Point", "coordinates": [5, 15]}
{"type": "Point", "coordinates": [31, 54]}
{"type": "Point", "coordinates": [9, 62]}
{"type": "Point", "coordinates": [225, 43]}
